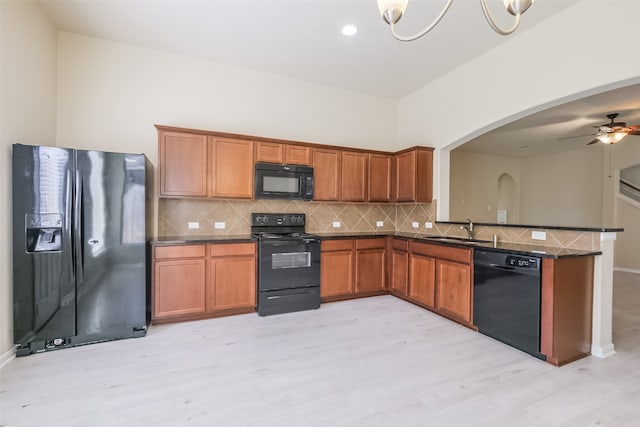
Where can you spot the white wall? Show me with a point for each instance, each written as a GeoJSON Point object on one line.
{"type": "Point", "coordinates": [27, 115]}
{"type": "Point", "coordinates": [625, 215]}
{"type": "Point", "coordinates": [111, 95]}
{"type": "Point", "coordinates": [551, 63]}
{"type": "Point", "coordinates": [563, 189]}
{"type": "Point", "coordinates": [474, 185]}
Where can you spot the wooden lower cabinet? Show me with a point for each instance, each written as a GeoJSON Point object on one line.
{"type": "Point", "coordinates": [399, 267]}
{"type": "Point", "coordinates": [370, 265]}
{"type": "Point", "coordinates": [566, 312]}
{"type": "Point", "coordinates": [232, 282]}
{"type": "Point", "coordinates": [422, 279]}
{"type": "Point", "coordinates": [453, 289]}
{"type": "Point", "coordinates": [179, 288]}
{"type": "Point", "coordinates": [352, 267]}
{"type": "Point", "coordinates": [336, 268]}
{"type": "Point", "coordinates": [194, 281]}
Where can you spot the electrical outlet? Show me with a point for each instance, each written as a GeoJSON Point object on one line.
{"type": "Point", "coordinates": [219, 225]}
{"type": "Point", "coordinates": [539, 235]}
{"type": "Point", "coordinates": [415, 224]}
{"type": "Point", "coordinates": [428, 224]}
{"type": "Point", "coordinates": [336, 224]}
{"type": "Point", "coordinates": [379, 223]}
{"type": "Point", "coordinates": [193, 225]}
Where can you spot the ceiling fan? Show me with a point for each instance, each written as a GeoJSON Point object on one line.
{"type": "Point", "coordinates": [613, 132]}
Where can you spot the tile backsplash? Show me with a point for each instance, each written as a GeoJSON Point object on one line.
{"type": "Point", "coordinates": [174, 215]}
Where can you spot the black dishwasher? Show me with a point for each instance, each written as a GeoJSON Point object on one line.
{"type": "Point", "coordinates": [506, 298]}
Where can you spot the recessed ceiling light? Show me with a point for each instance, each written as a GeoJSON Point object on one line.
{"type": "Point", "coordinates": [349, 30]}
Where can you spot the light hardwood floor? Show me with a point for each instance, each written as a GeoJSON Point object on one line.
{"type": "Point", "coordinates": [371, 362]}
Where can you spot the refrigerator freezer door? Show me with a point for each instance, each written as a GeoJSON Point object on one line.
{"type": "Point", "coordinates": [110, 263]}
{"type": "Point", "coordinates": [43, 277]}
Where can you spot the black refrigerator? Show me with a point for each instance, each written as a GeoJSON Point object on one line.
{"type": "Point", "coordinates": [79, 247]}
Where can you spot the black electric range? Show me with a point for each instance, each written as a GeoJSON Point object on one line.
{"type": "Point", "coordinates": [288, 263]}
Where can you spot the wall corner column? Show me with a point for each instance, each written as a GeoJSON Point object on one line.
{"type": "Point", "coordinates": [602, 324]}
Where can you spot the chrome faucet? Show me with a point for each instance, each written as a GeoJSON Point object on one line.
{"type": "Point", "coordinates": [468, 228]}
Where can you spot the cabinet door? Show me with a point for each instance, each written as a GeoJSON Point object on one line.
{"type": "Point", "coordinates": [422, 272]}
{"type": "Point", "coordinates": [178, 288]}
{"type": "Point", "coordinates": [231, 168]}
{"type": "Point", "coordinates": [370, 271]}
{"type": "Point", "coordinates": [183, 164]}
{"type": "Point", "coordinates": [406, 177]}
{"type": "Point", "coordinates": [414, 176]}
{"type": "Point", "coordinates": [336, 273]}
{"type": "Point", "coordinates": [326, 170]}
{"type": "Point", "coordinates": [379, 178]}
{"type": "Point", "coordinates": [297, 155]}
{"type": "Point", "coordinates": [233, 282]}
{"type": "Point", "coordinates": [400, 271]}
{"type": "Point", "coordinates": [454, 289]}
{"type": "Point", "coordinates": [353, 177]}
{"type": "Point", "coordinates": [269, 152]}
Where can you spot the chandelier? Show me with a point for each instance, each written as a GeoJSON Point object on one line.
{"type": "Point", "coordinates": [392, 11]}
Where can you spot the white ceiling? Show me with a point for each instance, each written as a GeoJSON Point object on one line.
{"type": "Point", "coordinates": [566, 127]}
{"type": "Point", "coordinates": [301, 39]}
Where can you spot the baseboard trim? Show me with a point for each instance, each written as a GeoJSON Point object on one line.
{"type": "Point", "coordinates": [603, 352]}
{"type": "Point", "coordinates": [626, 270]}
{"type": "Point", "coordinates": [7, 357]}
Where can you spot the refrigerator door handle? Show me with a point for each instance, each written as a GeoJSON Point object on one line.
{"type": "Point", "coordinates": [79, 234]}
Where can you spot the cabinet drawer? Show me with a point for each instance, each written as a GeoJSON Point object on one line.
{"type": "Point", "coordinates": [401, 245]}
{"type": "Point", "coordinates": [337, 245]}
{"type": "Point", "coordinates": [179, 251]}
{"type": "Point", "coordinates": [371, 243]}
{"type": "Point", "coordinates": [233, 249]}
{"type": "Point", "coordinates": [442, 252]}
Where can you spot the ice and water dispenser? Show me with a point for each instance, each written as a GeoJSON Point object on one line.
{"type": "Point", "coordinates": [44, 232]}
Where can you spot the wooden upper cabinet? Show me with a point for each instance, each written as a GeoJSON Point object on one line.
{"type": "Point", "coordinates": [326, 169]}
{"type": "Point", "coordinates": [269, 152]}
{"type": "Point", "coordinates": [379, 178]}
{"type": "Point", "coordinates": [414, 176]}
{"type": "Point", "coordinates": [231, 168]}
{"type": "Point", "coordinates": [289, 154]}
{"type": "Point", "coordinates": [354, 177]}
{"type": "Point", "coordinates": [297, 155]}
{"type": "Point", "coordinates": [183, 164]}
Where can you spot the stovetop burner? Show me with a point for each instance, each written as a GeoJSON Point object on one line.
{"type": "Point", "coordinates": [268, 226]}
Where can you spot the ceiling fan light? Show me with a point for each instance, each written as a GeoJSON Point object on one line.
{"type": "Point", "coordinates": [392, 10]}
{"type": "Point", "coordinates": [612, 138]}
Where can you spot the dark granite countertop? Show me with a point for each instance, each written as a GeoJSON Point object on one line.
{"type": "Point", "coordinates": [514, 248]}
{"type": "Point", "coordinates": [541, 227]}
{"type": "Point", "coordinates": [179, 240]}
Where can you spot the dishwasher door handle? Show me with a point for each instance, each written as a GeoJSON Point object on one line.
{"type": "Point", "coordinates": [501, 267]}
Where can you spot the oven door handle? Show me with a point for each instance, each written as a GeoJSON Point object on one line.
{"type": "Point", "coordinates": [289, 295]}
{"type": "Point", "coordinates": [285, 243]}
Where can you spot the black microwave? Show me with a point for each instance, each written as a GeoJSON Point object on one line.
{"type": "Point", "coordinates": [274, 181]}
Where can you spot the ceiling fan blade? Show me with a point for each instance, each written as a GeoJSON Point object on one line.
{"type": "Point", "coordinates": [595, 141]}
{"type": "Point", "coordinates": [635, 132]}
{"type": "Point", "coordinates": [575, 136]}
